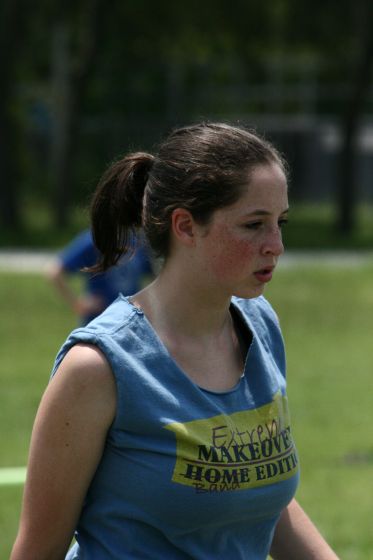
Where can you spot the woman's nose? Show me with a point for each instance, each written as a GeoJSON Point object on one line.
{"type": "Point", "coordinates": [273, 244]}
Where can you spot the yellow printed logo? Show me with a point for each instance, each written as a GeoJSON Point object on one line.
{"type": "Point", "coordinates": [245, 450]}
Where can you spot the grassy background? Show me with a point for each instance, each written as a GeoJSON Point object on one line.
{"type": "Point", "coordinates": [327, 320]}
{"type": "Point", "coordinates": [33, 324]}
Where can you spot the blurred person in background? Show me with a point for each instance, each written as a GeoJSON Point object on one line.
{"type": "Point", "coordinates": [164, 432]}
{"type": "Point", "coordinates": [101, 288]}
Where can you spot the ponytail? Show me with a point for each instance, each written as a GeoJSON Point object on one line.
{"type": "Point", "coordinates": [116, 208]}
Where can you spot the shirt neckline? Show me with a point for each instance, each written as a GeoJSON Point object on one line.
{"type": "Point", "coordinates": [163, 348]}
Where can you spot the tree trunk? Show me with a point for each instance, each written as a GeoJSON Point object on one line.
{"type": "Point", "coordinates": [60, 160]}
{"type": "Point", "coordinates": [69, 83]}
{"type": "Point", "coordinates": [347, 192]}
{"type": "Point", "coordinates": [10, 33]}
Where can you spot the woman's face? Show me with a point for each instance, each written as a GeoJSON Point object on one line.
{"type": "Point", "coordinates": [240, 246]}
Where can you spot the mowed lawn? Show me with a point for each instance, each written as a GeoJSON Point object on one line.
{"type": "Point", "coordinates": [327, 321]}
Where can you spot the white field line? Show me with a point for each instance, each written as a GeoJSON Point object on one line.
{"type": "Point", "coordinates": [12, 475]}
{"type": "Point", "coordinates": [37, 261]}
{"type": "Point", "coordinates": [342, 259]}
{"type": "Point", "coordinates": [25, 261]}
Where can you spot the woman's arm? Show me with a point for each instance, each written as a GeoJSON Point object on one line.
{"type": "Point", "coordinates": [69, 433]}
{"type": "Point", "coordinates": [296, 537]}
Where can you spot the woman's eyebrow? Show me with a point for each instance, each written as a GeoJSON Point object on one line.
{"type": "Point", "coordinates": [264, 213]}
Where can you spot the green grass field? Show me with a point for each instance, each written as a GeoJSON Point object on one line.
{"type": "Point", "coordinates": [327, 320]}
{"type": "Point", "coordinates": [33, 325]}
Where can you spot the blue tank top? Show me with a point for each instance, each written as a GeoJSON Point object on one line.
{"type": "Point", "coordinates": [186, 472]}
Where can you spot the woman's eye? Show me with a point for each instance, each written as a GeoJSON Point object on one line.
{"type": "Point", "coordinates": [256, 225]}
{"type": "Point", "coordinates": [283, 222]}
{"type": "Point", "coordinates": [253, 225]}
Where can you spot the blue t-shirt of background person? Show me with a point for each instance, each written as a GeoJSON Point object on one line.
{"type": "Point", "coordinates": [125, 278]}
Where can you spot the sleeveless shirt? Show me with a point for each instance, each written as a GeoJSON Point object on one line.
{"type": "Point", "coordinates": [187, 472]}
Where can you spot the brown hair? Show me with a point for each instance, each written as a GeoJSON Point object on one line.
{"type": "Point", "coordinates": [200, 168]}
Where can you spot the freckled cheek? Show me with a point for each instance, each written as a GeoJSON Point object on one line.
{"type": "Point", "coordinates": [232, 257]}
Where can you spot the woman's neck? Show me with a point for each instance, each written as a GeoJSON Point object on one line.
{"type": "Point", "coordinates": [178, 302]}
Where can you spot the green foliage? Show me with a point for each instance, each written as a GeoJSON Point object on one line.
{"type": "Point", "coordinates": [82, 80]}
{"type": "Point", "coordinates": [155, 65]}
{"type": "Point", "coordinates": [313, 226]}
{"type": "Point", "coordinates": [39, 230]}
{"type": "Point", "coordinates": [327, 324]}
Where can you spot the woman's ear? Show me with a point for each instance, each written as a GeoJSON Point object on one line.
{"type": "Point", "coordinates": [183, 226]}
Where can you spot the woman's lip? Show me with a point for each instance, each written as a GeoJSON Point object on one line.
{"type": "Point", "coordinates": [264, 275]}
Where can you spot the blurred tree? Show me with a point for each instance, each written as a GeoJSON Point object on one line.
{"type": "Point", "coordinates": [127, 69]}
{"type": "Point", "coordinates": [341, 35]}
{"type": "Point", "coordinates": [13, 15]}
{"type": "Point", "coordinates": [361, 74]}
{"type": "Point", "coordinates": [76, 31]}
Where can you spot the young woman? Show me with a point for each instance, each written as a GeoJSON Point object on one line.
{"type": "Point", "coordinates": [164, 432]}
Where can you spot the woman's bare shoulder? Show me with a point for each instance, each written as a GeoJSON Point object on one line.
{"type": "Point", "coordinates": [87, 360]}
{"type": "Point", "coordinates": [85, 375]}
